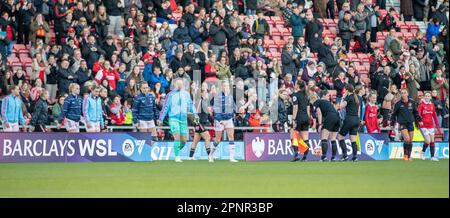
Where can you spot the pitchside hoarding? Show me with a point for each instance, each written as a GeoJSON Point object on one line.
{"type": "Point", "coordinates": [164, 151]}
{"type": "Point", "coordinates": [397, 150]}
{"type": "Point", "coordinates": [96, 147]}
{"type": "Point", "coordinates": [277, 147]}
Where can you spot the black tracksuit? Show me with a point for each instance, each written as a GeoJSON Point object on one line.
{"type": "Point", "coordinates": [405, 113]}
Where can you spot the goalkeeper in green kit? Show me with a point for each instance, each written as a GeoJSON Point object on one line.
{"type": "Point", "coordinates": [177, 105]}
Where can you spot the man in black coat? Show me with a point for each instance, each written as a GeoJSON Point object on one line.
{"type": "Point", "coordinates": [218, 35]}
{"type": "Point", "coordinates": [109, 47]}
{"type": "Point", "coordinates": [288, 61]}
{"type": "Point", "coordinates": [66, 77]}
{"type": "Point", "coordinates": [91, 51]}
{"type": "Point", "coordinates": [313, 32]}
{"type": "Point", "coordinates": [234, 36]}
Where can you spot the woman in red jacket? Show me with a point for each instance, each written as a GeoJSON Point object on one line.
{"type": "Point", "coordinates": [117, 116]}
{"type": "Point", "coordinates": [109, 73]}
{"type": "Point", "coordinates": [371, 115]}
{"type": "Point", "coordinates": [428, 113]}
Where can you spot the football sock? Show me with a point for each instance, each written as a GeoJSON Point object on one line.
{"type": "Point", "coordinates": [182, 144]}
{"type": "Point", "coordinates": [295, 151]}
{"type": "Point", "coordinates": [208, 150]}
{"type": "Point", "coordinates": [333, 148]}
{"type": "Point", "coordinates": [176, 147]}
{"type": "Point", "coordinates": [410, 147]}
{"type": "Point", "coordinates": [354, 149]}
{"type": "Point", "coordinates": [191, 153]}
{"type": "Point", "coordinates": [405, 149]}
{"type": "Point", "coordinates": [324, 145]}
{"type": "Point", "coordinates": [343, 148]}
{"type": "Point", "coordinates": [216, 144]}
{"type": "Point", "coordinates": [307, 151]}
{"type": "Point", "coordinates": [425, 146]}
{"type": "Point", "coordinates": [232, 150]}
{"type": "Point", "coordinates": [432, 149]}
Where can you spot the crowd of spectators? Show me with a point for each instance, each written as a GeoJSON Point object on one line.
{"type": "Point", "coordinates": [117, 44]}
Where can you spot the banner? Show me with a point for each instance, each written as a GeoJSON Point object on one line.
{"type": "Point", "coordinates": [440, 147]}
{"type": "Point", "coordinates": [80, 147]}
{"type": "Point", "coordinates": [97, 147]}
{"type": "Point", "coordinates": [164, 151]}
{"type": "Point", "coordinates": [277, 147]}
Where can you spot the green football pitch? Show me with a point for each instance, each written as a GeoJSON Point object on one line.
{"type": "Point", "coordinates": [393, 178]}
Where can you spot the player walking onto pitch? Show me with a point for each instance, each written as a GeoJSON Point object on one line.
{"type": "Point", "coordinates": [71, 110]}
{"type": "Point", "coordinates": [351, 103]}
{"type": "Point", "coordinates": [328, 124]}
{"type": "Point", "coordinates": [405, 112]}
{"type": "Point", "coordinates": [177, 105]}
{"type": "Point", "coordinates": [93, 111]}
{"type": "Point", "coordinates": [300, 118]}
{"type": "Point", "coordinates": [371, 115]}
{"type": "Point", "coordinates": [12, 113]}
{"type": "Point", "coordinates": [427, 111]}
{"type": "Point", "coordinates": [144, 111]}
{"type": "Point", "coordinates": [223, 107]}
{"type": "Point", "coordinates": [200, 131]}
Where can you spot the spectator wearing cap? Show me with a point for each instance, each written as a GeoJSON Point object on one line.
{"type": "Point", "coordinates": [313, 32]}
{"type": "Point", "coordinates": [298, 22]}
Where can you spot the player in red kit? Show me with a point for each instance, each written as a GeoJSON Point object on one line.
{"type": "Point", "coordinates": [428, 113]}
{"type": "Point", "coordinates": [371, 115]}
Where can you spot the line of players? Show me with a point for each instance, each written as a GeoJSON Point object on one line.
{"type": "Point", "coordinates": [405, 113]}
{"type": "Point", "coordinates": [178, 104]}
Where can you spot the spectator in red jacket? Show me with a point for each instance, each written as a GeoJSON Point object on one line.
{"type": "Point", "coordinates": [117, 116]}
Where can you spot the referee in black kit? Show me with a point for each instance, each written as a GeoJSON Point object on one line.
{"type": "Point", "coordinates": [328, 124]}
{"type": "Point", "coordinates": [300, 116]}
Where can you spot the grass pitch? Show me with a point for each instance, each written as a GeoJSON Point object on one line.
{"type": "Point", "coordinates": [393, 178]}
